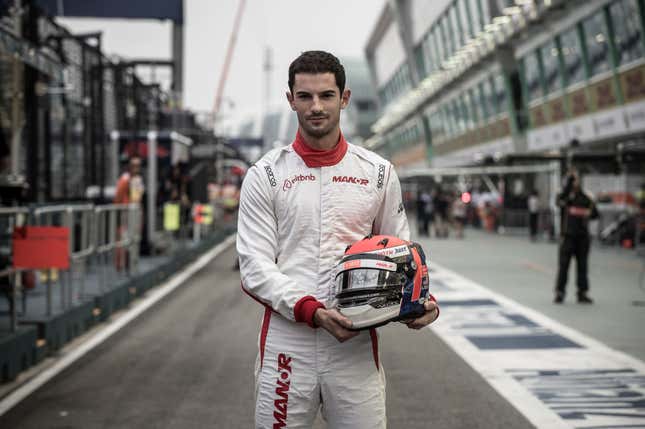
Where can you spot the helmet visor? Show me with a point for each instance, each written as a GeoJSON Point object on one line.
{"type": "Point", "coordinates": [366, 278]}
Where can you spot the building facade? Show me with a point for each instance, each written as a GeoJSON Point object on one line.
{"type": "Point", "coordinates": [462, 81]}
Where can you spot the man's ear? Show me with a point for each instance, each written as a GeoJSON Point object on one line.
{"type": "Point", "coordinates": [290, 99]}
{"type": "Point", "coordinates": [344, 98]}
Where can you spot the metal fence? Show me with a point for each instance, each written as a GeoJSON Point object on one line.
{"type": "Point", "coordinates": [103, 243]}
{"type": "Point", "coordinates": [10, 218]}
{"type": "Point", "coordinates": [117, 240]}
{"type": "Point", "coordinates": [104, 248]}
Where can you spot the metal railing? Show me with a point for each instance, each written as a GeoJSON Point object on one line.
{"type": "Point", "coordinates": [103, 252]}
{"type": "Point", "coordinates": [117, 238]}
{"type": "Point", "coordinates": [98, 236]}
{"type": "Point", "coordinates": [79, 219]}
{"type": "Point", "coordinates": [10, 218]}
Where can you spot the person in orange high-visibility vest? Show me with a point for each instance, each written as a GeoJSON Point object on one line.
{"type": "Point", "coordinates": [129, 189]}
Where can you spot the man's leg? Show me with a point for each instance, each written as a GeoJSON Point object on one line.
{"type": "Point", "coordinates": [286, 385]}
{"type": "Point", "coordinates": [534, 225]}
{"type": "Point", "coordinates": [582, 257]}
{"type": "Point", "coordinates": [353, 383]}
{"type": "Point", "coordinates": [564, 258]}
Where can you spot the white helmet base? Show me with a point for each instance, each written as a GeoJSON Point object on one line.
{"type": "Point", "coordinates": [365, 316]}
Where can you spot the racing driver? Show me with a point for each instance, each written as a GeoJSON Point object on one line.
{"type": "Point", "coordinates": [300, 206]}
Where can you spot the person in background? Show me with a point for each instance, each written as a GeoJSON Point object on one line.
{"type": "Point", "coordinates": [640, 222]}
{"type": "Point", "coordinates": [534, 211]}
{"type": "Point", "coordinates": [576, 208]}
{"type": "Point", "coordinates": [130, 190]}
{"type": "Point", "coordinates": [424, 213]}
{"type": "Point", "coordinates": [441, 204]}
{"type": "Point", "coordinates": [177, 190]}
{"type": "Point", "coordinates": [458, 215]}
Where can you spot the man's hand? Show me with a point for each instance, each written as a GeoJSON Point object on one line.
{"type": "Point", "coordinates": [432, 312]}
{"type": "Point", "coordinates": [335, 323]}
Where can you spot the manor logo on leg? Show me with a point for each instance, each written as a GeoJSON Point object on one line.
{"type": "Point", "coordinates": [282, 391]}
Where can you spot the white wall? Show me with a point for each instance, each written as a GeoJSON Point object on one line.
{"type": "Point", "coordinates": [388, 55]}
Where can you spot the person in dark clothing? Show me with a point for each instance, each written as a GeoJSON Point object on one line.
{"type": "Point", "coordinates": [424, 213]}
{"type": "Point", "coordinates": [441, 203]}
{"type": "Point", "coordinates": [534, 211]}
{"type": "Point", "coordinates": [576, 209]}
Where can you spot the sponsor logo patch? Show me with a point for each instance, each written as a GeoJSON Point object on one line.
{"type": "Point", "coordinates": [381, 176]}
{"type": "Point", "coordinates": [288, 183]}
{"type": "Point", "coordinates": [392, 251]}
{"type": "Point", "coordinates": [351, 264]}
{"type": "Point", "coordinates": [350, 179]}
{"type": "Point", "coordinates": [282, 391]}
{"type": "Point", "coordinates": [270, 175]}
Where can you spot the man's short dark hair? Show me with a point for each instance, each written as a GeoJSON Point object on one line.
{"type": "Point", "coordinates": [317, 62]}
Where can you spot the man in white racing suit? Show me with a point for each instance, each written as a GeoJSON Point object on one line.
{"type": "Point", "coordinates": [300, 206]}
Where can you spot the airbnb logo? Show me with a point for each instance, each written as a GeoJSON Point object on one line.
{"type": "Point", "coordinates": [288, 183]}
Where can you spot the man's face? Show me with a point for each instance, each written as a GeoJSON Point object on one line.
{"type": "Point", "coordinates": [135, 166]}
{"type": "Point", "coordinates": [317, 101]}
{"type": "Point", "coordinates": [575, 181]}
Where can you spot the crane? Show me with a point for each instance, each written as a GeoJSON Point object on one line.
{"type": "Point", "coordinates": [227, 61]}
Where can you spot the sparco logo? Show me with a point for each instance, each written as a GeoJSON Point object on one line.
{"type": "Point", "coordinates": [288, 183]}
{"type": "Point", "coordinates": [348, 179]}
{"type": "Point", "coordinates": [381, 176]}
{"type": "Point", "coordinates": [282, 391]}
{"type": "Point", "coordinates": [270, 175]}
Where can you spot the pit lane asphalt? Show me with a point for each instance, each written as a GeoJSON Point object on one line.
{"type": "Point", "coordinates": [188, 363]}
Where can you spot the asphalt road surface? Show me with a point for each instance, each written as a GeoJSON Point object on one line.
{"type": "Point", "coordinates": [188, 363]}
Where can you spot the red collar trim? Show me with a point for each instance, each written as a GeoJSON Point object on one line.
{"type": "Point", "coordinates": [320, 158]}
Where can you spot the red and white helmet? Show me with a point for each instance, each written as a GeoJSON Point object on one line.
{"type": "Point", "coordinates": [381, 279]}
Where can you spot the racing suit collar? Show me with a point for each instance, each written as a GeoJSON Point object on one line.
{"type": "Point", "coordinates": [320, 158]}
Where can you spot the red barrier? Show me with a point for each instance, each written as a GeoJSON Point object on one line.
{"type": "Point", "coordinates": [41, 247]}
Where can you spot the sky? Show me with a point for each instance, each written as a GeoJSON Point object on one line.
{"type": "Point", "coordinates": [287, 26]}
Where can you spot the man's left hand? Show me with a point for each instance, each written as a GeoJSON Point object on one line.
{"type": "Point", "coordinates": [432, 312]}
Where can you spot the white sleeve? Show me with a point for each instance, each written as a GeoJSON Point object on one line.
{"type": "Point", "coordinates": [257, 247]}
{"type": "Point", "coordinates": [391, 218]}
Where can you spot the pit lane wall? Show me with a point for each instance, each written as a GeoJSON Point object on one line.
{"type": "Point", "coordinates": [42, 310]}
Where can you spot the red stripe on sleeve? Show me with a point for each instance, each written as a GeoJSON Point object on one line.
{"type": "Point", "coordinates": [374, 338]}
{"type": "Point", "coordinates": [264, 332]}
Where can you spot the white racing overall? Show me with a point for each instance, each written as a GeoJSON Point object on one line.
{"type": "Point", "coordinates": [298, 212]}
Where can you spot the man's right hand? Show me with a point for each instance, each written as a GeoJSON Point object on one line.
{"type": "Point", "coordinates": [335, 323]}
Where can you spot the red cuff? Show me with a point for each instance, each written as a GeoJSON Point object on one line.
{"type": "Point", "coordinates": [305, 309]}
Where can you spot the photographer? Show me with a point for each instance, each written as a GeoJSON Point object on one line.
{"type": "Point", "coordinates": [577, 208]}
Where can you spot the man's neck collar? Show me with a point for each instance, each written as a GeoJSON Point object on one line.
{"type": "Point", "coordinates": [320, 158]}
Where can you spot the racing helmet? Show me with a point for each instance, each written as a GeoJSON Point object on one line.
{"type": "Point", "coordinates": [381, 279]}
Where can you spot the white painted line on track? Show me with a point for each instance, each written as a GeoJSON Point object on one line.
{"type": "Point", "coordinates": [569, 381]}
{"type": "Point", "coordinates": [139, 307]}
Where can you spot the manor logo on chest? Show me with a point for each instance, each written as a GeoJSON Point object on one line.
{"type": "Point", "coordinates": [350, 179]}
